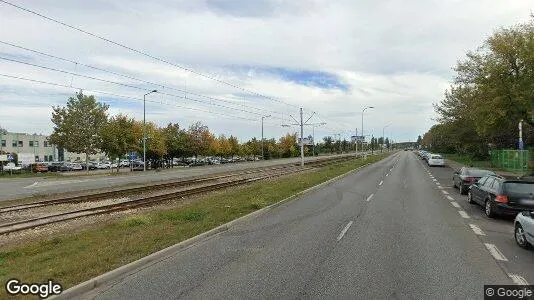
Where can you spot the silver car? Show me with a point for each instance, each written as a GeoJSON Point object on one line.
{"type": "Point", "coordinates": [524, 229]}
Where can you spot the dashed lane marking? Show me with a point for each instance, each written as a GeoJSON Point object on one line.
{"type": "Point", "coordinates": [455, 204]}
{"type": "Point", "coordinates": [450, 198]}
{"type": "Point", "coordinates": [519, 280]}
{"type": "Point", "coordinates": [463, 214]}
{"type": "Point", "coordinates": [495, 252]}
{"type": "Point", "coordinates": [476, 229]}
{"type": "Point", "coordinates": [340, 236]}
{"type": "Point", "coordinates": [369, 198]}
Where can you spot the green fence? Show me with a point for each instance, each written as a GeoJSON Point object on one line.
{"type": "Point", "coordinates": [517, 161]}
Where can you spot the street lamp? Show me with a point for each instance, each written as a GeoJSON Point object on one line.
{"type": "Point", "coordinates": [144, 127]}
{"type": "Point", "coordinates": [363, 111]}
{"type": "Point", "coordinates": [262, 117]}
{"type": "Point", "coordinates": [383, 141]}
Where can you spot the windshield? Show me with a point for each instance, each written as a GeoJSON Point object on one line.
{"type": "Point", "coordinates": [437, 157]}
{"type": "Point", "coordinates": [519, 187]}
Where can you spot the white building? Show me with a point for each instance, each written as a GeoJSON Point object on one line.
{"type": "Point", "coordinates": [38, 145]}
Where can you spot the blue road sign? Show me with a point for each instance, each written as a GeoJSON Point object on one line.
{"type": "Point", "coordinates": [10, 157]}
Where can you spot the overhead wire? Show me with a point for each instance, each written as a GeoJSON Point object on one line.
{"type": "Point", "coordinates": [130, 77]}
{"type": "Point", "coordinates": [144, 53]}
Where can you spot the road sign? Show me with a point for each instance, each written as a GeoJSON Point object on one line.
{"type": "Point", "coordinates": [307, 141]}
{"type": "Point", "coordinates": [10, 157]}
{"type": "Point", "coordinates": [357, 138]}
{"type": "Point", "coordinates": [132, 155]}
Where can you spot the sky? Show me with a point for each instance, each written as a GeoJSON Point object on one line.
{"type": "Point", "coordinates": [227, 63]}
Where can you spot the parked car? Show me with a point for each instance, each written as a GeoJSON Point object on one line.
{"type": "Point", "coordinates": [500, 196]}
{"type": "Point", "coordinates": [137, 165]}
{"type": "Point", "coordinates": [12, 167]}
{"type": "Point", "coordinates": [59, 167]}
{"type": "Point", "coordinates": [91, 166]}
{"type": "Point", "coordinates": [465, 177]}
{"type": "Point", "coordinates": [124, 163]}
{"type": "Point", "coordinates": [39, 167]}
{"type": "Point", "coordinates": [435, 160]}
{"type": "Point", "coordinates": [103, 165]}
{"type": "Point", "coordinates": [524, 229]}
{"type": "Point", "coordinates": [75, 166]}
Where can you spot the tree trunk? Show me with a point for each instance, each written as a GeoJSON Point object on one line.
{"type": "Point", "coordinates": [86, 162]}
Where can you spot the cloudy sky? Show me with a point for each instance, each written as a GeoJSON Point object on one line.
{"type": "Point", "coordinates": [228, 62]}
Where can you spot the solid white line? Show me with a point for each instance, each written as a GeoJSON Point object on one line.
{"type": "Point", "coordinates": [437, 183]}
{"type": "Point", "coordinates": [455, 204]}
{"type": "Point", "coordinates": [440, 187]}
{"type": "Point", "coordinates": [463, 214]}
{"type": "Point", "coordinates": [495, 252]}
{"type": "Point", "coordinates": [476, 229]}
{"type": "Point", "coordinates": [519, 280]}
{"type": "Point", "coordinates": [369, 198]}
{"type": "Point", "coordinates": [435, 180]}
{"type": "Point", "coordinates": [340, 236]}
{"type": "Point", "coordinates": [450, 198]}
{"type": "Point", "coordinates": [387, 174]}
{"type": "Point", "coordinates": [381, 182]}
{"type": "Point", "coordinates": [444, 192]}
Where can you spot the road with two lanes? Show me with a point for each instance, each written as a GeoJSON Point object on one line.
{"type": "Point", "coordinates": [386, 231]}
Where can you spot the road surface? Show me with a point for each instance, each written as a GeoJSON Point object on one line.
{"type": "Point", "coordinates": [25, 187]}
{"type": "Point", "coordinates": [387, 231]}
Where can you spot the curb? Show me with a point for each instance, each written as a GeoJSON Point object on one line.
{"type": "Point", "coordinates": [142, 263]}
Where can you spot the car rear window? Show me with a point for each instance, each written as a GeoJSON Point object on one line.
{"type": "Point", "coordinates": [436, 157]}
{"type": "Point", "coordinates": [519, 187]}
{"type": "Point", "coordinates": [478, 173]}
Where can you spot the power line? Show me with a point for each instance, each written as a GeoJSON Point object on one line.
{"type": "Point", "coordinates": [128, 85]}
{"type": "Point", "coordinates": [129, 77]}
{"type": "Point", "coordinates": [123, 96]}
{"type": "Point", "coordinates": [144, 53]}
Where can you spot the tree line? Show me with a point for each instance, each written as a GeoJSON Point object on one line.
{"type": "Point", "coordinates": [84, 126]}
{"type": "Point", "coordinates": [492, 91]}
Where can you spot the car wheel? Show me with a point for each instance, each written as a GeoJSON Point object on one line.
{"type": "Point", "coordinates": [520, 237]}
{"type": "Point", "coordinates": [470, 198]}
{"type": "Point", "coordinates": [488, 209]}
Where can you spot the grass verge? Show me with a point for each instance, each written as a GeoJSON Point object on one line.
{"type": "Point", "coordinates": [71, 258]}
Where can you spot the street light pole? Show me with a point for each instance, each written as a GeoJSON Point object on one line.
{"type": "Point", "coordinates": [363, 111]}
{"type": "Point", "coordinates": [144, 127]}
{"type": "Point", "coordinates": [301, 124]}
{"type": "Point", "coordinates": [262, 117]}
{"type": "Point", "coordinates": [383, 141]}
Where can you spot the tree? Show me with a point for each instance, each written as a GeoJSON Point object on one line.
{"type": "Point", "coordinates": [119, 137]}
{"type": "Point", "coordinates": [156, 147]}
{"type": "Point", "coordinates": [288, 145]}
{"type": "Point", "coordinates": [3, 130]}
{"type": "Point", "coordinates": [419, 140]}
{"type": "Point", "coordinates": [77, 127]}
{"type": "Point", "coordinates": [201, 138]}
{"type": "Point", "coordinates": [328, 143]}
{"type": "Point", "coordinates": [234, 145]}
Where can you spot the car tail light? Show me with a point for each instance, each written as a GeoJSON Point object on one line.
{"type": "Point", "coordinates": [501, 199]}
{"type": "Point", "coordinates": [471, 179]}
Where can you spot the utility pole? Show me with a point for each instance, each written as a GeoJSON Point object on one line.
{"type": "Point", "coordinates": [144, 129]}
{"type": "Point", "coordinates": [363, 111]}
{"type": "Point", "coordinates": [262, 117]}
{"type": "Point", "coordinates": [301, 124]}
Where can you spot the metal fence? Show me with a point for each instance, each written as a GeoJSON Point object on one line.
{"type": "Point", "coordinates": [517, 161]}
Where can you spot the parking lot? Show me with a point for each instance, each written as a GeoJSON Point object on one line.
{"type": "Point", "coordinates": [497, 231]}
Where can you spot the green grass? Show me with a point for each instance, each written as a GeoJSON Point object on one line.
{"type": "Point", "coordinates": [71, 258]}
{"type": "Point", "coordinates": [469, 161]}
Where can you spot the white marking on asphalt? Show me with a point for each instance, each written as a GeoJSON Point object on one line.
{"type": "Point", "coordinates": [495, 252]}
{"type": "Point", "coordinates": [455, 204]}
{"type": "Point", "coordinates": [381, 182]}
{"type": "Point", "coordinates": [387, 174]}
{"type": "Point", "coordinates": [340, 236]}
{"type": "Point", "coordinates": [450, 198]}
{"type": "Point", "coordinates": [31, 185]}
{"type": "Point", "coordinates": [440, 187]}
{"type": "Point", "coordinates": [463, 214]}
{"type": "Point", "coordinates": [444, 192]}
{"type": "Point", "coordinates": [435, 180]}
{"type": "Point", "coordinates": [437, 183]}
{"type": "Point", "coordinates": [369, 198]}
{"type": "Point", "coordinates": [476, 229]}
{"type": "Point", "coordinates": [519, 280]}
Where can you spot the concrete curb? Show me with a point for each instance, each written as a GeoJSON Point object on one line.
{"type": "Point", "coordinates": [142, 263]}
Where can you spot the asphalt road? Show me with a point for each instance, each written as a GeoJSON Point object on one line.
{"type": "Point", "coordinates": [387, 231]}
{"type": "Point", "coordinates": [36, 186]}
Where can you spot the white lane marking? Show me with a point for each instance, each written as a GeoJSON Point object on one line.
{"type": "Point", "coordinates": [444, 192]}
{"type": "Point", "coordinates": [455, 204]}
{"type": "Point", "coordinates": [440, 187]}
{"type": "Point", "coordinates": [476, 229]}
{"type": "Point", "coordinates": [435, 180]}
{"type": "Point", "coordinates": [387, 174]}
{"type": "Point", "coordinates": [495, 252]}
{"type": "Point", "coordinates": [381, 182]}
{"type": "Point", "coordinates": [369, 198]}
{"type": "Point", "coordinates": [340, 236]}
{"type": "Point", "coordinates": [450, 198]}
{"type": "Point", "coordinates": [437, 183]}
{"type": "Point", "coordinates": [31, 185]}
{"type": "Point", "coordinates": [519, 280]}
{"type": "Point", "coordinates": [463, 214]}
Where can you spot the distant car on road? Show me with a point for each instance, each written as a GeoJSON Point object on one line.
{"type": "Point", "coordinates": [500, 196]}
{"type": "Point", "coordinates": [465, 177]}
{"type": "Point", "coordinates": [435, 160]}
{"type": "Point", "coordinates": [524, 229]}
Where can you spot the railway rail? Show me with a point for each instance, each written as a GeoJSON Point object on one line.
{"type": "Point", "coordinates": [149, 200]}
